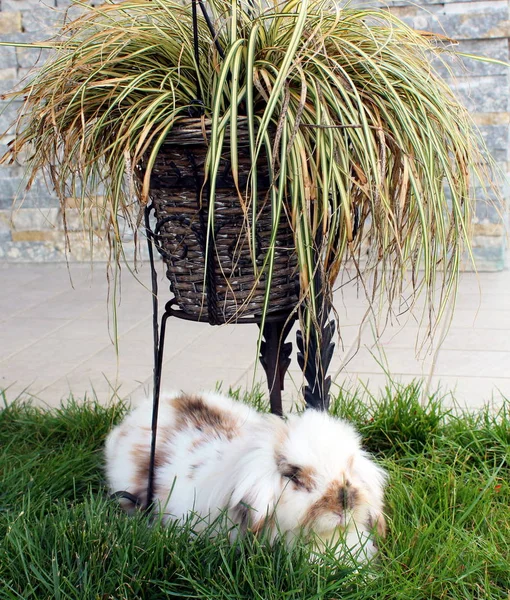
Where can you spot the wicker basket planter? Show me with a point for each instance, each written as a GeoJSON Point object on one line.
{"type": "Point", "coordinates": [220, 285]}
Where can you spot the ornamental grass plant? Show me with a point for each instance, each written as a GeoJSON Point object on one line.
{"type": "Point", "coordinates": [367, 147]}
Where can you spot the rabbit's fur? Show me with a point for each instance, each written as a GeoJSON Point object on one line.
{"type": "Point", "coordinates": [304, 475]}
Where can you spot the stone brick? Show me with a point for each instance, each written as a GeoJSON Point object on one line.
{"type": "Point", "coordinates": [488, 212]}
{"type": "Point", "coordinates": [36, 236]}
{"type": "Point", "coordinates": [23, 37]}
{"type": "Point", "coordinates": [459, 20]}
{"type": "Point", "coordinates": [461, 66]}
{"type": "Point", "coordinates": [81, 219]}
{"type": "Point", "coordinates": [27, 57]}
{"type": "Point", "coordinates": [9, 59]}
{"type": "Point", "coordinates": [11, 188]}
{"type": "Point", "coordinates": [14, 189]}
{"type": "Point", "coordinates": [30, 57]}
{"type": "Point", "coordinates": [79, 203]}
{"type": "Point", "coordinates": [35, 219]}
{"type": "Point", "coordinates": [8, 115]}
{"type": "Point", "coordinates": [7, 55]}
{"type": "Point", "coordinates": [30, 252]}
{"type": "Point", "coordinates": [487, 230]}
{"type": "Point", "coordinates": [26, 74]}
{"type": "Point", "coordinates": [30, 201]}
{"type": "Point", "coordinates": [489, 198]}
{"type": "Point", "coordinates": [11, 172]}
{"type": "Point", "coordinates": [7, 74]}
{"type": "Point", "coordinates": [64, 4]}
{"type": "Point", "coordinates": [6, 204]}
{"type": "Point", "coordinates": [499, 119]}
{"type": "Point", "coordinates": [80, 248]}
{"type": "Point", "coordinates": [496, 137]}
{"type": "Point", "coordinates": [5, 226]}
{"type": "Point", "coordinates": [38, 196]}
{"type": "Point", "coordinates": [499, 155]}
{"type": "Point", "coordinates": [10, 22]}
{"type": "Point", "coordinates": [10, 87]}
{"type": "Point", "coordinates": [44, 21]}
{"type": "Point", "coordinates": [7, 86]}
{"type": "Point", "coordinates": [490, 258]}
{"type": "Point", "coordinates": [491, 242]}
{"type": "Point", "coordinates": [482, 94]}
{"type": "Point", "coordinates": [14, 5]}
{"type": "Point", "coordinates": [70, 10]}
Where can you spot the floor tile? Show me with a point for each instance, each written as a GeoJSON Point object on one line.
{"type": "Point", "coordinates": [34, 377]}
{"type": "Point", "coordinates": [18, 334]}
{"type": "Point", "coordinates": [56, 338]}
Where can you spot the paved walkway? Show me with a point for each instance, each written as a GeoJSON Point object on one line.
{"type": "Point", "coordinates": [55, 339]}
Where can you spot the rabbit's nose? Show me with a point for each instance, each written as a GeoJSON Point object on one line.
{"type": "Point", "coordinates": [346, 496]}
{"type": "Point", "coordinates": [343, 497]}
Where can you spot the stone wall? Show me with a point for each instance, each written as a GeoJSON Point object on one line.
{"type": "Point", "coordinates": [481, 28]}
{"type": "Point", "coordinates": [31, 221]}
{"type": "Point", "coordinates": [32, 230]}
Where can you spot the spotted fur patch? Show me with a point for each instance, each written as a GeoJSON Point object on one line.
{"type": "Point", "coordinates": [193, 469]}
{"type": "Point", "coordinates": [192, 411]}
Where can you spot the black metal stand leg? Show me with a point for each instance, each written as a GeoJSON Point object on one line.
{"type": "Point", "coordinates": [159, 342]}
{"type": "Point", "coordinates": [315, 353]}
{"type": "Point", "coordinates": [155, 409]}
{"type": "Point", "coordinates": [275, 359]}
{"type": "Point", "coordinates": [314, 359]}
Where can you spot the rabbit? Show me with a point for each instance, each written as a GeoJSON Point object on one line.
{"type": "Point", "coordinates": [303, 476]}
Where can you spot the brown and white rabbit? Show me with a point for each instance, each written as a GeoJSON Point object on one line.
{"type": "Point", "coordinates": [304, 475]}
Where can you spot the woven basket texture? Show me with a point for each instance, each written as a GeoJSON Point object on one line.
{"type": "Point", "coordinates": [225, 289]}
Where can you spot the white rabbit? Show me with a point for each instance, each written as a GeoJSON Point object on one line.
{"type": "Point", "coordinates": [306, 475]}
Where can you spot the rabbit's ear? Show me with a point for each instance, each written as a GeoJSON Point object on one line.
{"type": "Point", "coordinates": [301, 476]}
{"type": "Point", "coordinates": [377, 522]}
{"type": "Point", "coordinates": [248, 519]}
{"type": "Point", "coordinates": [240, 514]}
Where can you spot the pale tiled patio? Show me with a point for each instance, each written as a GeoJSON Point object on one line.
{"type": "Point", "coordinates": [54, 339]}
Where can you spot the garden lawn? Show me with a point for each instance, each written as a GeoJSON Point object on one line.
{"type": "Point", "coordinates": [448, 506]}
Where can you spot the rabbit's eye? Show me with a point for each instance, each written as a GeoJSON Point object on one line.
{"type": "Point", "coordinates": [301, 477]}
{"type": "Point", "coordinates": [291, 472]}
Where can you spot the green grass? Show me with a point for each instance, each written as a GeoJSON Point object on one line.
{"type": "Point", "coordinates": [448, 505]}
